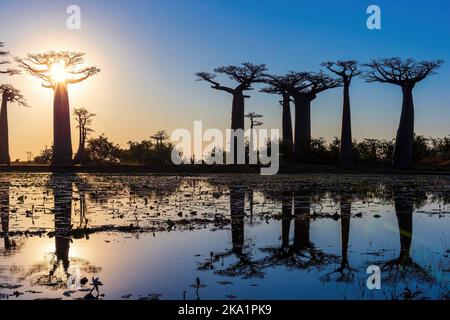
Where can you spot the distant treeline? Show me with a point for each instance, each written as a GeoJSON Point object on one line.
{"type": "Point", "coordinates": [100, 150]}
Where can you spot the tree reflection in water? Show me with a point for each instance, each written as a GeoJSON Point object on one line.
{"type": "Point", "coordinates": [9, 245]}
{"type": "Point", "coordinates": [302, 254]}
{"type": "Point", "coordinates": [244, 266]}
{"type": "Point", "coordinates": [404, 267]}
{"type": "Point", "coordinates": [55, 272]}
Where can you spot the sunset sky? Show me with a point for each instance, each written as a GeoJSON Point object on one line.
{"type": "Point", "coordinates": [149, 51]}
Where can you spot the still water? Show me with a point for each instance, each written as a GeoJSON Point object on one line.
{"type": "Point", "coordinates": [223, 236]}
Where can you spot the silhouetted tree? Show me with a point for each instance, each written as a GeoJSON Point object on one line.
{"type": "Point", "coordinates": [45, 157]}
{"type": "Point", "coordinates": [84, 119]}
{"type": "Point", "coordinates": [8, 71]}
{"type": "Point", "coordinates": [160, 137]}
{"type": "Point", "coordinates": [101, 150]}
{"type": "Point", "coordinates": [406, 74]}
{"type": "Point", "coordinates": [287, 145]}
{"type": "Point", "coordinates": [304, 88]}
{"type": "Point", "coordinates": [245, 76]}
{"type": "Point", "coordinates": [58, 70]}
{"type": "Point", "coordinates": [253, 116]}
{"type": "Point", "coordinates": [253, 123]}
{"type": "Point", "coordinates": [9, 94]}
{"type": "Point", "coordinates": [346, 70]}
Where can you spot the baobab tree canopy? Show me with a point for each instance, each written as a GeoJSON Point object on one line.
{"type": "Point", "coordinates": [400, 72]}
{"type": "Point", "coordinates": [55, 67]}
{"type": "Point", "coordinates": [11, 94]}
{"type": "Point", "coordinates": [8, 71]}
{"type": "Point", "coordinates": [345, 69]}
{"type": "Point", "coordinates": [244, 75]}
{"type": "Point", "coordinates": [406, 74]}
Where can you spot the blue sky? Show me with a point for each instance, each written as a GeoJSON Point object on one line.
{"type": "Point", "coordinates": [150, 50]}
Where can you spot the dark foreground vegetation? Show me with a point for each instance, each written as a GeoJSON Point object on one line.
{"type": "Point", "coordinates": [368, 154]}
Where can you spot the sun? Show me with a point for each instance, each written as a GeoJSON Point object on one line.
{"type": "Point", "coordinates": [58, 72]}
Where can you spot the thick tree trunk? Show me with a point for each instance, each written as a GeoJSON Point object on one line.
{"type": "Point", "coordinates": [302, 128]}
{"type": "Point", "coordinates": [288, 147]}
{"type": "Point", "coordinates": [237, 118]}
{"type": "Point", "coordinates": [403, 152]}
{"type": "Point", "coordinates": [62, 150]}
{"type": "Point", "coordinates": [4, 138]}
{"type": "Point", "coordinates": [346, 154]}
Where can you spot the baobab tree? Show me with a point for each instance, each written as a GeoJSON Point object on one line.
{"type": "Point", "coordinates": [252, 116]}
{"type": "Point", "coordinates": [287, 139]}
{"type": "Point", "coordinates": [8, 71]}
{"type": "Point", "coordinates": [9, 94]}
{"type": "Point", "coordinates": [245, 76]}
{"type": "Point", "coordinates": [303, 87]}
{"type": "Point", "coordinates": [84, 120]}
{"type": "Point", "coordinates": [160, 137]}
{"type": "Point", "coordinates": [57, 70]}
{"type": "Point", "coordinates": [406, 74]}
{"type": "Point", "coordinates": [346, 70]}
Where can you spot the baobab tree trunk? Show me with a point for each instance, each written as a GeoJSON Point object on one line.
{"type": "Point", "coordinates": [403, 151]}
{"type": "Point", "coordinates": [287, 127]}
{"type": "Point", "coordinates": [62, 150]}
{"type": "Point", "coordinates": [81, 155]}
{"type": "Point", "coordinates": [237, 119]}
{"type": "Point", "coordinates": [251, 146]}
{"type": "Point", "coordinates": [346, 154]}
{"type": "Point", "coordinates": [4, 138]}
{"type": "Point", "coordinates": [302, 128]}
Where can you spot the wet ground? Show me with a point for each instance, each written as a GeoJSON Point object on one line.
{"type": "Point", "coordinates": [223, 236]}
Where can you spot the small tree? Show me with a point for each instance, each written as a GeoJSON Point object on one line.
{"type": "Point", "coordinates": [245, 75]}
{"type": "Point", "coordinates": [406, 74]}
{"type": "Point", "coordinates": [9, 95]}
{"type": "Point", "coordinates": [101, 150]}
{"type": "Point", "coordinates": [346, 70]}
{"type": "Point", "coordinates": [84, 120]}
{"type": "Point", "coordinates": [45, 157]}
{"type": "Point", "coordinates": [57, 70]}
{"type": "Point", "coordinates": [160, 137]}
{"type": "Point", "coordinates": [252, 116]}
